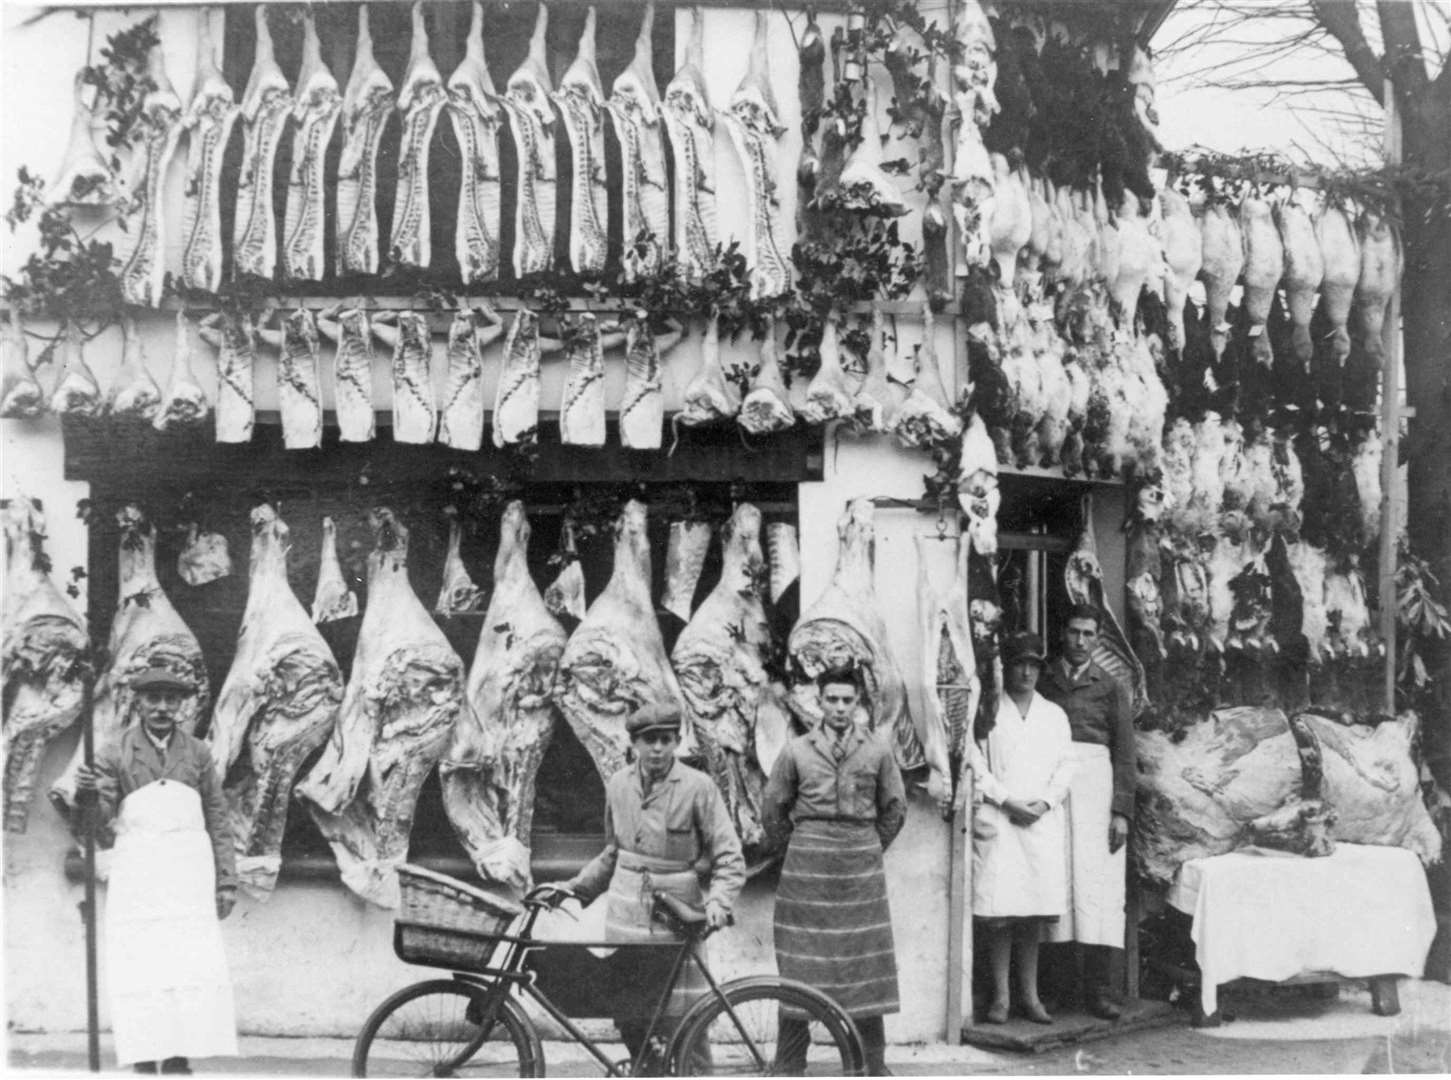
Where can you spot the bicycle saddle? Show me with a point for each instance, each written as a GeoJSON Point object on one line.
{"type": "Point", "coordinates": [686, 914]}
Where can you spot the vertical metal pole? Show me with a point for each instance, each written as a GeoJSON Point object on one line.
{"type": "Point", "coordinates": [1390, 425]}
{"type": "Point", "coordinates": [87, 803]}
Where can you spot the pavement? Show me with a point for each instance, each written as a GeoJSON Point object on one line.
{"type": "Point", "coordinates": [1262, 1033]}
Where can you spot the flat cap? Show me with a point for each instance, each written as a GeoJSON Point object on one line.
{"type": "Point", "coordinates": [1024, 645]}
{"type": "Point", "coordinates": [653, 718]}
{"type": "Point", "coordinates": [159, 678]}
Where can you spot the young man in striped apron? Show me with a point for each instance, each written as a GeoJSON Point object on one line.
{"type": "Point", "coordinates": [171, 880]}
{"type": "Point", "coordinates": [1100, 803]}
{"type": "Point", "coordinates": [666, 829]}
{"type": "Point", "coordinates": [838, 795]}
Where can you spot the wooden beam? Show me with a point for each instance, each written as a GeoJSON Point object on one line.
{"type": "Point", "coordinates": [1390, 425]}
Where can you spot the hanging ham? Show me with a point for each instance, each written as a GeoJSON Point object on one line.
{"type": "Point", "coordinates": [278, 704]}
{"type": "Point", "coordinates": [615, 661]}
{"type": "Point", "coordinates": [402, 700]}
{"type": "Point", "coordinates": [827, 397]}
{"type": "Point", "coordinates": [184, 403]}
{"type": "Point", "coordinates": [844, 628]}
{"type": "Point", "coordinates": [332, 599]}
{"type": "Point", "coordinates": [146, 632]}
{"type": "Point", "coordinates": [499, 740]}
{"type": "Point", "coordinates": [45, 658]}
{"type": "Point", "coordinates": [710, 396]}
{"type": "Point", "coordinates": [767, 405]}
{"type": "Point", "coordinates": [135, 394]}
{"type": "Point", "coordinates": [76, 390]}
{"type": "Point", "coordinates": [84, 178]}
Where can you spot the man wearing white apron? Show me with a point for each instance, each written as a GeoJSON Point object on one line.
{"type": "Point", "coordinates": [172, 878]}
{"type": "Point", "coordinates": [1100, 803]}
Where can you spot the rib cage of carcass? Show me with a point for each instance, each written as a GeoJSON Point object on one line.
{"type": "Point", "coordinates": [402, 699]}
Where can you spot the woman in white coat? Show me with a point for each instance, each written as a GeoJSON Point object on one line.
{"type": "Point", "coordinates": [1019, 883]}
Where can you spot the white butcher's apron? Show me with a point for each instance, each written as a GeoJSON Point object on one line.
{"type": "Point", "coordinates": [170, 991]}
{"type": "Point", "coordinates": [1095, 878]}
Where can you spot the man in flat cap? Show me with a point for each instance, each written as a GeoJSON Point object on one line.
{"type": "Point", "coordinates": [837, 794]}
{"type": "Point", "coordinates": [667, 830]}
{"type": "Point", "coordinates": [172, 878]}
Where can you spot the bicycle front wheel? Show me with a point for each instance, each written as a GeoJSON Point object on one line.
{"type": "Point", "coordinates": [436, 1028]}
{"type": "Point", "coordinates": [740, 1033]}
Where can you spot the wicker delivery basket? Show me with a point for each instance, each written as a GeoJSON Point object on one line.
{"type": "Point", "coordinates": [446, 923]}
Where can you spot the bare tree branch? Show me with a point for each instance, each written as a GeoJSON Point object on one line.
{"type": "Point", "coordinates": [1343, 21]}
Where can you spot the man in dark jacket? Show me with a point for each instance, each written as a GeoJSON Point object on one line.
{"type": "Point", "coordinates": [1100, 802]}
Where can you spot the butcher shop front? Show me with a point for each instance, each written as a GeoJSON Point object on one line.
{"type": "Point", "coordinates": [431, 386]}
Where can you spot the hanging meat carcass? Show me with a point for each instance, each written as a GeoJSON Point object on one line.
{"type": "Point", "coordinates": [477, 117]}
{"type": "Point", "coordinates": [461, 420]}
{"type": "Point", "coordinates": [21, 397]}
{"type": "Point", "coordinates": [752, 118]}
{"type": "Point", "coordinates": [367, 104]}
{"type": "Point", "coordinates": [1340, 248]}
{"type": "Point", "coordinates": [684, 560]}
{"type": "Point", "coordinates": [234, 335]}
{"type": "Point", "coordinates": [644, 187]}
{"type": "Point", "coordinates": [1140, 259]}
{"type": "Point", "coordinates": [1304, 271]}
{"type": "Point", "coordinates": [844, 628]}
{"type": "Point", "coordinates": [582, 409]}
{"type": "Point", "coordinates": [420, 101]}
{"type": "Point", "coordinates": [516, 399]}
{"type": "Point", "coordinates": [266, 103]}
{"type": "Point", "coordinates": [84, 178]}
{"type": "Point", "coordinates": [978, 492]}
{"type": "Point", "coordinates": [1365, 466]}
{"type": "Point", "coordinates": [314, 115]}
{"type": "Point", "coordinates": [332, 600]}
{"type": "Point", "coordinates": [458, 594]}
{"type": "Point", "coordinates": [1264, 265]}
{"type": "Point", "coordinates": [1380, 274]}
{"type": "Point", "coordinates": [581, 102]}
{"type": "Point", "coordinates": [1308, 564]}
{"type": "Point", "coordinates": [1223, 246]}
{"type": "Point", "coordinates": [767, 405]}
{"type": "Point", "coordinates": [690, 121]}
{"type": "Point", "coordinates": [278, 704]}
{"type": "Point", "coordinates": [135, 393]}
{"type": "Point", "coordinates": [711, 395]}
{"type": "Point", "coordinates": [209, 119]}
{"type": "Point", "coordinates": [299, 383]}
{"type": "Point", "coordinates": [415, 413]}
{"type": "Point", "coordinates": [565, 595]}
{"type": "Point", "coordinates": [1183, 257]}
{"type": "Point", "coordinates": [827, 397]}
{"type": "Point", "coordinates": [184, 403]}
{"type": "Point", "coordinates": [352, 331]}
{"type": "Point", "coordinates": [720, 658]}
{"type": "Point", "coordinates": [508, 720]}
{"type": "Point", "coordinates": [642, 409]}
{"type": "Point", "coordinates": [615, 660]}
{"type": "Point", "coordinates": [76, 391]}
{"type": "Point", "coordinates": [951, 688]}
{"type": "Point", "coordinates": [204, 557]}
{"type": "Point", "coordinates": [402, 699]}
{"type": "Point", "coordinates": [45, 658]}
{"type": "Point", "coordinates": [159, 130]}
{"type": "Point", "coordinates": [1083, 580]}
{"type": "Point", "coordinates": [531, 123]}
{"type": "Point", "coordinates": [146, 632]}
{"type": "Point", "coordinates": [1009, 224]}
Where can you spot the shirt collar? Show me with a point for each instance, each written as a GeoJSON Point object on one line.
{"type": "Point", "coordinates": [161, 744]}
{"type": "Point", "coordinates": [824, 738]}
{"type": "Point", "coordinates": [669, 778]}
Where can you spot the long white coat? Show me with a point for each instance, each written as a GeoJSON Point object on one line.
{"type": "Point", "coordinates": [1019, 871]}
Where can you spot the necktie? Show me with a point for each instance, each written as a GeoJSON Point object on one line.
{"type": "Point", "coordinates": [838, 749]}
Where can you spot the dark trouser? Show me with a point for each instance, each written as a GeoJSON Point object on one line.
{"type": "Point", "coordinates": [175, 1065]}
{"type": "Point", "coordinates": [793, 1039]}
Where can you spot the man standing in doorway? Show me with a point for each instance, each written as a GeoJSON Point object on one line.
{"type": "Point", "coordinates": [172, 878]}
{"type": "Point", "coordinates": [837, 794]}
{"type": "Point", "coordinates": [1100, 803]}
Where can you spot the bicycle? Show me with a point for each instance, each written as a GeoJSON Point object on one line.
{"type": "Point", "coordinates": [474, 1024]}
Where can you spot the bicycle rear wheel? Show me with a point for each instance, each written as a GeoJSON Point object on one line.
{"type": "Point", "coordinates": [741, 1040]}
{"type": "Point", "coordinates": [434, 1028]}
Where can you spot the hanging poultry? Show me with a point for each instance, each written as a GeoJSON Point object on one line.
{"type": "Point", "coordinates": [1223, 260]}
{"type": "Point", "coordinates": [581, 100]}
{"type": "Point", "coordinates": [615, 660]}
{"type": "Point", "coordinates": [690, 121]}
{"type": "Point", "coordinates": [266, 103]}
{"type": "Point", "coordinates": [844, 628]}
{"type": "Point", "coordinates": [159, 126]}
{"type": "Point", "coordinates": [1304, 271]}
{"type": "Point", "coordinates": [644, 187]}
{"type": "Point", "coordinates": [1264, 265]}
{"type": "Point", "coordinates": [314, 116]}
{"type": "Point", "coordinates": [146, 632]}
{"type": "Point", "coordinates": [1380, 274]}
{"type": "Point", "coordinates": [499, 740]}
{"type": "Point", "coordinates": [208, 123]}
{"type": "Point", "coordinates": [752, 119]}
{"type": "Point", "coordinates": [477, 117]}
{"type": "Point", "coordinates": [1340, 248]}
{"type": "Point", "coordinates": [720, 658]}
{"type": "Point", "coordinates": [402, 699]}
{"type": "Point", "coordinates": [278, 704]}
{"type": "Point", "coordinates": [420, 101]}
{"type": "Point", "coordinates": [926, 419]}
{"type": "Point", "coordinates": [531, 123]}
{"type": "Point", "coordinates": [45, 658]}
{"type": "Point", "coordinates": [1183, 257]}
{"type": "Point", "coordinates": [367, 104]}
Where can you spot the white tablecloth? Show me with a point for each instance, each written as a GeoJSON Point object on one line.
{"type": "Point", "coordinates": [1267, 915]}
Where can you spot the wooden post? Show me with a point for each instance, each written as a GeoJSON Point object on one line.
{"type": "Point", "coordinates": [87, 803]}
{"type": "Point", "coordinates": [1390, 435]}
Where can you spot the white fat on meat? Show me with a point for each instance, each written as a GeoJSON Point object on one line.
{"type": "Point", "coordinates": [709, 396]}
{"type": "Point", "coordinates": [827, 397]}
{"type": "Point", "coordinates": [925, 418]}
{"type": "Point", "coordinates": [532, 123]}
{"type": "Point", "coordinates": [159, 129]}
{"type": "Point", "coordinates": [266, 105]}
{"type": "Point", "coordinates": [352, 331]}
{"type": "Point", "coordinates": [477, 117]}
{"type": "Point", "coordinates": [84, 178]}
{"type": "Point", "coordinates": [642, 408]}
{"type": "Point", "coordinates": [582, 408]}
{"type": "Point", "coordinates": [634, 106]}
{"type": "Point", "coordinates": [333, 599]}
{"type": "Point", "coordinates": [767, 405]}
{"type": "Point", "coordinates": [690, 120]}
{"type": "Point", "coordinates": [315, 116]}
{"type": "Point", "coordinates": [208, 123]}
{"type": "Point", "coordinates": [580, 99]}
{"type": "Point", "coordinates": [234, 335]}
{"type": "Point", "coordinates": [420, 100]}
{"type": "Point", "coordinates": [458, 594]}
{"type": "Point", "coordinates": [684, 560]}
{"type": "Point", "coordinates": [204, 557]}
{"type": "Point", "coordinates": [516, 399]}
{"type": "Point", "coordinates": [565, 595]}
{"type": "Point", "coordinates": [299, 382]}
{"type": "Point", "coordinates": [415, 412]}
{"type": "Point", "coordinates": [367, 105]}
{"type": "Point", "coordinates": [461, 420]}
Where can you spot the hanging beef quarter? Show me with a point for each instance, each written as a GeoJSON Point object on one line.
{"type": "Point", "coordinates": [844, 628]}
{"type": "Point", "coordinates": [403, 697]}
{"type": "Point", "coordinates": [508, 720]}
{"type": "Point", "coordinates": [44, 658]}
{"type": "Point", "coordinates": [279, 702]}
{"type": "Point", "coordinates": [615, 661]}
{"type": "Point", "coordinates": [736, 707]}
{"type": "Point", "coordinates": [146, 632]}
